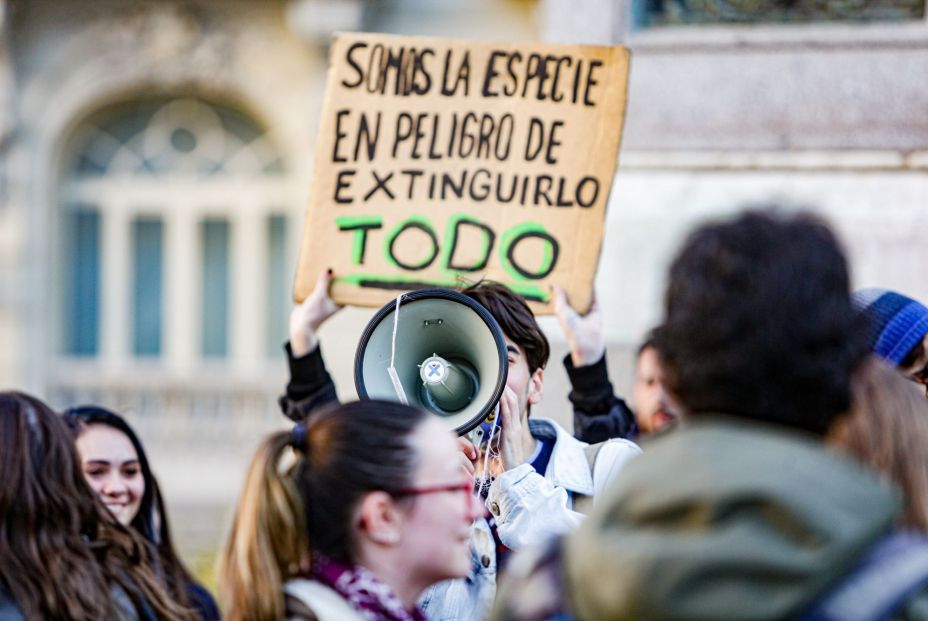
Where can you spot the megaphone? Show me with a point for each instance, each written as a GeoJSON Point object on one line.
{"type": "Point", "coordinates": [447, 355]}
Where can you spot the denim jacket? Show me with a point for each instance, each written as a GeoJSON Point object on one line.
{"type": "Point", "coordinates": [470, 598]}
{"type": "Point", "coordinates": [529, 509]}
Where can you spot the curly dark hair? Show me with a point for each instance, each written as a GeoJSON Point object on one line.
{"type": "Point", "coordinates": [515, 319]}
{"type": "Point", "coordinates": [759, 322]}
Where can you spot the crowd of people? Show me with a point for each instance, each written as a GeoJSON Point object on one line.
{"type": "Point", "coordinates": [772, 464]}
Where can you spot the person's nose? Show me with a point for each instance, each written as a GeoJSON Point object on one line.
{"type": "Point", "coordinates": [114, 486]}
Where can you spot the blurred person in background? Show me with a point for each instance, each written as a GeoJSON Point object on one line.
{"type": "Point", "coordinates": [743, 512]}
{"type": "Point", "coordinates": [650, 402]}
{"type": "Point", "coordinates": [887, 430]}
{"type": "Point", "coordinates": [599, 414]}
{"type": "Point", "coordinates": [116, 468]}
{"type": "Point", "coordinates": [63, 555]}
{"type": "Point", "coordinates": [897, 331]}
{"type": "Point", "coordinates": [350, 515]}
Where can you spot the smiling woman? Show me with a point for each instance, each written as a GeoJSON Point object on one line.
{"type": "Point", "coordinates": [116, 468]}
{"type": "Point", "coordinates": [62, 555]}
{"type": "Point", "coordinates": [111, 467]}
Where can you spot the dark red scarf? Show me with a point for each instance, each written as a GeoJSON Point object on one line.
{"type": "Point", "coordinates": [363, 590]}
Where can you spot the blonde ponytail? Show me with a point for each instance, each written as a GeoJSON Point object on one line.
{"type": "Point", "coordinates": [268, 543]}
{"type": "Point", "coordinates": [347, 450]}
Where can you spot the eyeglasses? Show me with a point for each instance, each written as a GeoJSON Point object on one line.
{"type": "Point", "coordinates": [466, 487]}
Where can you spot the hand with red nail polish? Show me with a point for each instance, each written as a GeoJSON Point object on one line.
{"type": "Point", "coordinates": [306, 318]}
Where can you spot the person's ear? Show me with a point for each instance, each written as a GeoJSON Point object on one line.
{"type": "Point", "coordinates": [536, 386]}
{"type": "Point", "coordinates": [380, 519]}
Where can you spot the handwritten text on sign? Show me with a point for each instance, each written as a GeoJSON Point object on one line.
{"type": "Point", "coordinates": [440, 161]}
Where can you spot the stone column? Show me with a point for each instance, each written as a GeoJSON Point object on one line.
{"type": "Point", "coordinates": [591, 22]}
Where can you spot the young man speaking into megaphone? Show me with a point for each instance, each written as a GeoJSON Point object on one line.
{"type": "Point", "coordinates": [543, 473]}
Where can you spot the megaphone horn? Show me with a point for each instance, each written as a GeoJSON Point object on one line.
{"type": "Point", "coordinates": [448, 353]}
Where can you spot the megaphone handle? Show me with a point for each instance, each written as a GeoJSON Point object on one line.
{"type": "Point", "coordinates": [391, 370]}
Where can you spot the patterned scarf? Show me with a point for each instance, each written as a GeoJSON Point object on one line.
{"type": "Point", "coordinates": [363, 590]}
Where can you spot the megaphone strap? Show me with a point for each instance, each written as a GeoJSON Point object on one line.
{"type": "Point", "coordinates": [391, 370]}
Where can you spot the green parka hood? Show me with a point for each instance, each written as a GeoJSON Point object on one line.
{"type": "Point", "coordinates": [724, 519]}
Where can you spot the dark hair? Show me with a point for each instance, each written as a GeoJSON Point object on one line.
{"type": "Point", "coordinates": [285, 514]}
{"type": "Point", "coordinates": [515, 318]}
{"type": "Point", "coordinates": [61, 550]}
{"type": "Point", "coordinates": [647, 343]}
{"type": "Point", "coordinates": [151, 521]}
{"type": "Point", "coordinates": [352, 449]}
{"type": "Point", "coordinates": [759, 322]}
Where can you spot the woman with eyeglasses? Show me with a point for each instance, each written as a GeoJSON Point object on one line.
{"type": "Point", "coordinates": [349, 516]}
{"type": "Point", "coordinates": [116, 468]}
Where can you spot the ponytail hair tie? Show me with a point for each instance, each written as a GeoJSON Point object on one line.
{"type": "Point", "coordinates": [298, 437]}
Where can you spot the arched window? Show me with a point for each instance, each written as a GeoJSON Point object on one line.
{"type": "Point", "coordinates": [173, 237]}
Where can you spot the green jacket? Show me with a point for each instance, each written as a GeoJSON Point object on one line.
{"type": "Point", "coordinates": [726, 519]}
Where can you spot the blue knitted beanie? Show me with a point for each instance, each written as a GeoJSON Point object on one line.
{"type": "Point", "coordinates": [897, 322]}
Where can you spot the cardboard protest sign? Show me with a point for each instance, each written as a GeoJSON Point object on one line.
{"type": "Point", "coordinates": [440, 162]}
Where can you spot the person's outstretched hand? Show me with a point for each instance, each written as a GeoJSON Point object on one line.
{"type": "Point", "coordinates": [306, 318]}
{"type": "Point", "coordinates": [584, 333]}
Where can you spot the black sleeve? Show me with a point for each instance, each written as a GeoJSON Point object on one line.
{"type": "Point", "coordinates": [598, 413]}
{"type": "Point", "coordinates": [309, 387]}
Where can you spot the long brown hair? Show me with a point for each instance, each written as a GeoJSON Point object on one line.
{"type": "Point", "coordinates": [151, 521]}
{"type": "Point", "coordinates": [887, 429]}
{"type": "Point", "coordinates": [301, 502]}
{"type": "Point", "coordinates": [61, 552]}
